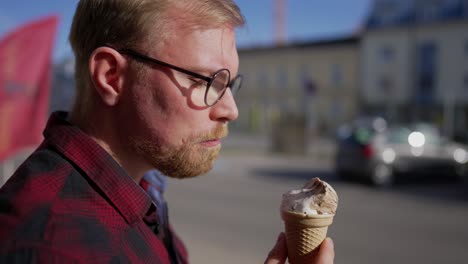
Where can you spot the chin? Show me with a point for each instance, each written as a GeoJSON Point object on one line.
{"type": "Point", "coordinates": [189, 173]}
{"type": "Point", "coordinates": [186, 161]}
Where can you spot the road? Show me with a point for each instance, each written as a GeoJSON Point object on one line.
{"type": "Point", "coordinates": [231, 214]}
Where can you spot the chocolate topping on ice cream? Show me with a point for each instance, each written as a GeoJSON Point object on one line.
{"type": "Point", "coordinates": [315, 198]}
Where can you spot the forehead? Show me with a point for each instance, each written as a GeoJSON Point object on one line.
{"type": "Point", "coordinates": [201, 49]}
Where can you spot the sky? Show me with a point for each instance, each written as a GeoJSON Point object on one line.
{"type": "Point", "coordinates": [305, 19]}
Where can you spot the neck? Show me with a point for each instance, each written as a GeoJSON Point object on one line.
{"type": "Point", "coordinates": [102, 127]}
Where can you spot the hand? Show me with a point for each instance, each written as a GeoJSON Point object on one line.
{"type": "Point", "coordinates": [279, 253]}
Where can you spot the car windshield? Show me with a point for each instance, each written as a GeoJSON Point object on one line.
{"type": "Point", "coordinates": [398, 135]}
{"type": "Point", "coordinates": [430, 133]}
{"type": "Point", "coordinates": [401, 134]}
{"type": "Point", "coordinates": [362, 130]}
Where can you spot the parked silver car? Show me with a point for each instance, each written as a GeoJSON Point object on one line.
{"type": "Point", "coordinates": [379, 153]}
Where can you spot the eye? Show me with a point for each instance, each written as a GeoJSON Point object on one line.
{"type": "Point", "coordinates": [199, 83]}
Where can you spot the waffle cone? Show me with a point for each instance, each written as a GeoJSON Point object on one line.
{"type": "Point", "coordinates": [304, 234]}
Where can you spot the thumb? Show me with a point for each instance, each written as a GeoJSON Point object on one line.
{"type": "Point", "coordinates": [279, 253]}
{"type": "Point", "coordinates": [326, 254]}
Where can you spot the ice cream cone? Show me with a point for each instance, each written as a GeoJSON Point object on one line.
{"type": "Point", "coordinates": [304, 234]}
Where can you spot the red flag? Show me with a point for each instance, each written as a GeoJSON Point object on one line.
{"type": "Point", "coordinates": [25, 69]}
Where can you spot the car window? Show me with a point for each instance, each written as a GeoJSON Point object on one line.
{"type": "Point", "coordinates": [398, 135]}
{"type": "Point", "coordinates": [360, 135]}
{"type": "Point", "coordinates": [430, 133]}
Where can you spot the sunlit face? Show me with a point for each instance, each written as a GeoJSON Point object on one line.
{"type": "Point", "coordinates": [165, 127]}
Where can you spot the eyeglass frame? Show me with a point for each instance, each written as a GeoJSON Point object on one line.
{"type": "Point", "coordinates": [209, 80]}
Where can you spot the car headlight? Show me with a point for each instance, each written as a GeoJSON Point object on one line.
{"type": "Point", "coordinates": [388, 156]}
{"type": "Point", "coordinates": [416, 139]}
{"type": "Point", "coordinates": [460, 155]}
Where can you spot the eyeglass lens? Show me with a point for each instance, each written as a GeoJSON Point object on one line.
{"type": "Point", "coordinates": [217, 87]}
{"type": "Point", "coordinates": [236, 84]}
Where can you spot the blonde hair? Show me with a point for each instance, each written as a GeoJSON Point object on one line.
{"type": "Point", "coordinates": [127, 23]}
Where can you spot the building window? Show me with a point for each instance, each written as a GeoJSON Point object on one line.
{"type": "Point", "coordinates": [386, 86]}
{"type": "Point", "coordinates": [387, 54]}
{"type": "Point", "coordinates": [307, 82]}
{"type": "Point", "coordinates": [336, 75]}
{"type": "Point", "coordinates": [426, 73]}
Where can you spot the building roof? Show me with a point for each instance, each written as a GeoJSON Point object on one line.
{"type": "Point", "coordinates": [328, 42]}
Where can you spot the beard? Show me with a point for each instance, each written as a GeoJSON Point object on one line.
{"type": "Point", "coordinates": [188, 160]}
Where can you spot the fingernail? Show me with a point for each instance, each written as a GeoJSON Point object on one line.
{"type": "Point", "coordinates": [332, 245]}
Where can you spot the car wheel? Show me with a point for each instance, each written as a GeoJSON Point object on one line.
{"type": "Point", "coordinates": [382, 175]}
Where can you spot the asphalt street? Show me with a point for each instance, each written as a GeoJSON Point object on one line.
{"type": "Point", "coordinates": [231, 215]}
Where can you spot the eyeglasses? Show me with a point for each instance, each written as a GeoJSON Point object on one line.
{"type": "Point", "coordinates": [210, 90]}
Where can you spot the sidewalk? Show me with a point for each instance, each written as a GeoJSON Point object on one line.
{"type": "Point", "coordinates": [318, 148]}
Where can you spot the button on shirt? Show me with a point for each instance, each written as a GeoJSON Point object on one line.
{"type": "Point", "coordinates": [71, 202]}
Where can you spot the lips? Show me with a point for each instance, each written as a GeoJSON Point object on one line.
{"type": "Point", "coordinates": [214, 137]}
{"type": "Point", "coordinates": [211, 142]}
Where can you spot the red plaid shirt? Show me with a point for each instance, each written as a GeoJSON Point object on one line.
{"type": "Point", "coordinates": [71, 202]}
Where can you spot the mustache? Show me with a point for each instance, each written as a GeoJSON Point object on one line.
{"type": "Point", "coordinates": [216, 133]}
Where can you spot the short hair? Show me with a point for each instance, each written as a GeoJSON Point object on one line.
{"type": "Point", "coordinates": [126, 23]}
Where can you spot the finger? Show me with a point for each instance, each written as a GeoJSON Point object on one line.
{"type": "Point", "coordinates": [279, 253]}
{"type": "Point", "coordinates": [326, 254]}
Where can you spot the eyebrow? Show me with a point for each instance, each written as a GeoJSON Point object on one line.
{"type": "Point", "coordinates": [202, 70]}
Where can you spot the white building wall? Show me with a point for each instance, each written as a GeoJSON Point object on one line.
{"type": "Point", "coordinates": [452, 62]}
{"type": "Point", "coordinates": [396, 69]}
{"type": "Point", "coordinates": [285, 71]}
{"type": "Point", "coordinates": [450, 39]}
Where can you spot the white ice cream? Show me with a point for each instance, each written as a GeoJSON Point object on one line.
{"type": "Point", "coordinates": [315, 198]}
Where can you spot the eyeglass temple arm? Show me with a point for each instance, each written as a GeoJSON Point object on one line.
{"type": "Point", "coordinates": [155, 61]}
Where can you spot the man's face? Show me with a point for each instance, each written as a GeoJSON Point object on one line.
{"type": "Point", "coordinates": [168, 128]}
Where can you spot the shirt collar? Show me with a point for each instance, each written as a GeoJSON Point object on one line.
{"type": "Point", "coordinates": [154, 183]}
{"type": "Point", "coordinates": [125, 194]}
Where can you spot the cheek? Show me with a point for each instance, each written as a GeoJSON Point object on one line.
{"type": "Point", "coordinates": [151, 98]}
{"type": "Point", "coordinates": [138, 111]}
{"type": "Point", "coordinates": [157, 111]}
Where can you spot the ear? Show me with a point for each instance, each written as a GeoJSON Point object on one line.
{"type": "Point", "coordinates": [106, 67]}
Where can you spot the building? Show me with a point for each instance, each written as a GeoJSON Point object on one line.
{"type": "Point", "coordinates": [316, 82]}
{"type": "Point", "coordinates": [63, 86]}
{"type": "Point", "coordinates": [415, 62]}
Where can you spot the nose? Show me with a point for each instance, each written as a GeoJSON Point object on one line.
{"type": "Point", "coordinates": [226, 109]}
